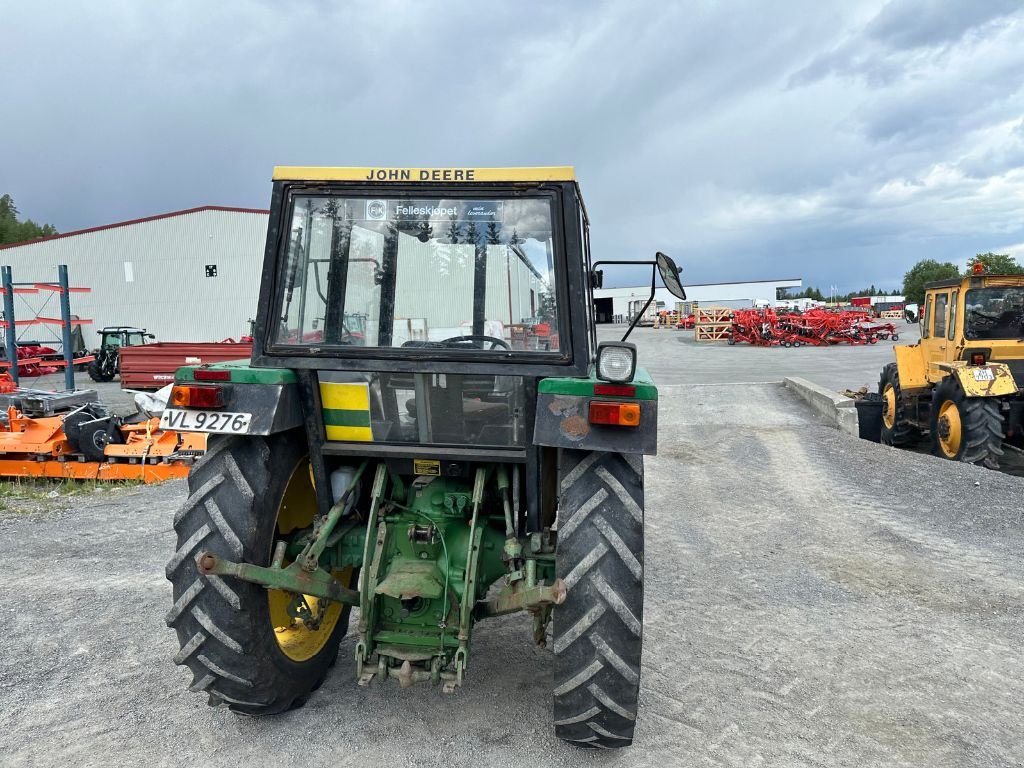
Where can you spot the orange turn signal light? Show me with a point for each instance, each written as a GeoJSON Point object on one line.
{"type": "Point", "coordinates": [197, 396]}
{"type": "Point", "coordinates": [618, 414]}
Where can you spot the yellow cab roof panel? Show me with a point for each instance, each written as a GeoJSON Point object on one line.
{"type": "Point", "coordinates": [314, 173]}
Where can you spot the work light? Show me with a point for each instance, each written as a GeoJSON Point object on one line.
{"type": "Point", "coordinates": [616, 361]}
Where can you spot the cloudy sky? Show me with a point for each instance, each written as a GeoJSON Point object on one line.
{"type": "Point", "coordinates": [834, 141]}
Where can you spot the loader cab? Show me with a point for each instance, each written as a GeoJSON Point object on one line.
{"type": "Point", "coordinates": [939, 325]}
{"type": "Point", "coordinates": [992, 320]}
{"type": "Point", "coordinates": [967, 317]}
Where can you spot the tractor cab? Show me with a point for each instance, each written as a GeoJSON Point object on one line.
{"type": "Point", "coordinates": [421, 309]}
{"type": "Point", "coordinates": [123, 336]}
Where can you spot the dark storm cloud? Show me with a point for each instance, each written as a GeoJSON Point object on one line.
{"type": "Point", "coordinates": [920, 23]}
{"type": "Point", "coordinates": [835, 142]}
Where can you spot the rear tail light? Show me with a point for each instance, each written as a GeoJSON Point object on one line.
{"type": "Point", "coordinates": [615, 390]}
{"type": "Point", "coordinates": [211, 374]}
{"type": "Point", "coordinates": [197, 396]}
{"type": "Point", "coordinates": [618, 414]}
{"type": "Point", "coordinates": [977, 358]}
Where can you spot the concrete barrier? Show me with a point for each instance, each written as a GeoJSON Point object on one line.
{"type": "Point", "coordinates": [836, 409]}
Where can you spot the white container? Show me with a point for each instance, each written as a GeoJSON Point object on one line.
{"type": "Point", "coordinates": [341, 479]}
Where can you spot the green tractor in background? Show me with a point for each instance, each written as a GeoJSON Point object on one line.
{"type": "Point", "coordinates": [469, 451]}
{"type": "Point", "coordinates": [107, 362]}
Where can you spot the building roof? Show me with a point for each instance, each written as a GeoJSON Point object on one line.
{"type": "Point", "coordinates": [143, 220]}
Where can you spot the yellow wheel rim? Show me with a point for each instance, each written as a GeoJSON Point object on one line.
{"type": "Point", "coordinates": [889, 406]}
{"type": "Point", "coordinates": [296, 640]}
{"type": "Point", "coordinates": [949, 429]}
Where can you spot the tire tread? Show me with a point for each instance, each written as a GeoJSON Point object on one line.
{"type": "Point", "coordinates": [598, 630]}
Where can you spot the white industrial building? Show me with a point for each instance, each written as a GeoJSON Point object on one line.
{"type": "Point", "coordinates": [617, 304]}
{"type": "Point", "coordinates": [189, 275]}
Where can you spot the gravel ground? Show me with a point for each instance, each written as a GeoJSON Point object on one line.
{"type": "Point", "coordinates": [811, 599]}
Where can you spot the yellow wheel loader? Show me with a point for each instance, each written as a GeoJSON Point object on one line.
{"type": "Point", "coordinates": [962, 384]}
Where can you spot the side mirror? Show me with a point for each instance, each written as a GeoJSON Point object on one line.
{"type": "Point", "coordinates": [597, 278]}
{"type": "Point", "coordinates": [670, 275]}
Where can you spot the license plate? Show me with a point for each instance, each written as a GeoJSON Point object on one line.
{"type": "Point", "coordinates": [983, 374]}
{"type": "Point", "coordinates": [206, 421]}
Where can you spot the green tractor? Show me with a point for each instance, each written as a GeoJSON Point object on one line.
{"type": "Point", "coordinates": [107, 362]}
{"type": "Point", "coordinates": [469, 451]}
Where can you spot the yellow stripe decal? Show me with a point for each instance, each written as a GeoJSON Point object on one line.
{"type": "Point", "coordinates": [346, 409]}
{"type": "Point", "coordinates": [352, 434]}
{"type": "Point", "coordinates": [300, 173]}
{"type": "Point", "coordinates": [345, 397]}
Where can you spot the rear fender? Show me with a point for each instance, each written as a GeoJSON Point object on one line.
{"type": "Point", "coordinates": [563, 410]}
{"type": "Point", "coordinates": [272, 396]}
{"type": "Point", "coordinates": [911, 366]}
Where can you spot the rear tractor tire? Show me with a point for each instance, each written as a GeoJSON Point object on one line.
{"type": "Point", "coordinates": [968, 429]}
{"type": "Point", "coordinates": [237, 638]}
{"type": "Point", "coordinates": [896, 430]}
{"type": "Point", "coordinates": [599, 628]}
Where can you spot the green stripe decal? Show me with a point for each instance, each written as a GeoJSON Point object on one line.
{"type": "Point", "coordinates": [338, 418]}
{"type": "Point", "coordinates": [642, 383]}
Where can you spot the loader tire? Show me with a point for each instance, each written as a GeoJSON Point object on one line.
{"type": "Point", "coordinates": [231, 632]}
{"type": "Point", "coordinates": [896, 430]}
{"type": "Point", "coordinates": [96, 372]}
{"type": "Point", "coordinates": [968, 429]}
{"type": "Point", "coordinates": [598, 630]}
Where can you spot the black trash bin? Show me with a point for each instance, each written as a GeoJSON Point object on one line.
{"type": "Point", "coordinates": [869, 417]}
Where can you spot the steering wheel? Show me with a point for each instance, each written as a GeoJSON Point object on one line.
{"type": "Point", "coordinates": [456, 341]}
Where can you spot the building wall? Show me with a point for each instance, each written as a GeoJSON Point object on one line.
{"type": "Point", "coordinates": [153, 274]}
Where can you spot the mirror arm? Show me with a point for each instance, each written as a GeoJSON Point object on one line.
{"type": "Point", "coordinates": [654, 277]}
{"type": "Point", "coordinates": [597, 264]}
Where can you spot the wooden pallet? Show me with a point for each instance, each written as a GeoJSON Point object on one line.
{"type": "Point", "coordinates": [712, 315]}
{"type": "Point", "coordinates": [712, 331]}
{"type": "Point", "coordinates": [892, 314]}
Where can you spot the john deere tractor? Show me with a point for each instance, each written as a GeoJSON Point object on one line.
{"type": "Point", "coordinates": [962, 384]}
{"type": "Point", "coordinates": [469, 451]}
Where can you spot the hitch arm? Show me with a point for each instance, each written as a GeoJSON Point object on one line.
{"type": "Point", "coordinates": [517, 597]}
{"type": "Point", "coordinates": [294, 578]}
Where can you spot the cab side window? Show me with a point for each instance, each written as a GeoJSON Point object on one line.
{"type": "Point", "coordinates": [952, 315]}
{"type": "Point", "coordinates": [941, 302]}
{"type": "Point", "coordinates": [926, 331]}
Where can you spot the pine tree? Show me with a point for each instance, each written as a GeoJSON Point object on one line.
{"type": "Point", "coordinates": [14, 231]}
{"type": "Point", "coordinates": [453, 231]}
